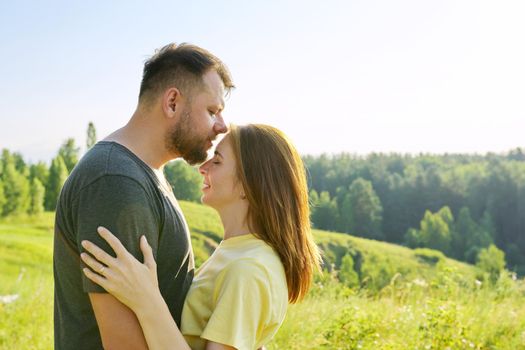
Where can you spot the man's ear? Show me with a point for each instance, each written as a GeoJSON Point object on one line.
{"type": "Point", "coordinates": [171, 100]}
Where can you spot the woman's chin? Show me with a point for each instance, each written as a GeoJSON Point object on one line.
{"type": "Point", "coordinates": [205, 201]}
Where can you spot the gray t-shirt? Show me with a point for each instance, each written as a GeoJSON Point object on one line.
{"type": "Point", "coordinates": [112, 187]}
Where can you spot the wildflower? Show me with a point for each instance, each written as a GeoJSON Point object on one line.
{"type": "Point", "coordinates": [7, 299]}
{"type": "Point", "coordinates": [478, 283]}
{"type": "Point", "coordinates": [420, 282]}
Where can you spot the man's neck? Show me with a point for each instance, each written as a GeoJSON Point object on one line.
{"type": "Point", "coordinates": [145, 139]}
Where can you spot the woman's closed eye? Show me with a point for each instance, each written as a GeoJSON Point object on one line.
{"type": "Point", "coordinates": [216, 159]}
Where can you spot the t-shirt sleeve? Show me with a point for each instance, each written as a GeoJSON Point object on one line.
{"type": "Point", "coordinates": [242, 303]}
{"type": "Point", "coordinates": [121, 205]}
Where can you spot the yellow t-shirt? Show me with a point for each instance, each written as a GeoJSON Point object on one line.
{"type": "Point", "coordinates": [238, 296]}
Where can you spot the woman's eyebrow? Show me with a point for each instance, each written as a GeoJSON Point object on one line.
{"type": "Point", "coordinates": [218, 153]}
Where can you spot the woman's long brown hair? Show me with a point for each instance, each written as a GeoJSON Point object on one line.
{"type": "Point", "coordinates": [273, 177]}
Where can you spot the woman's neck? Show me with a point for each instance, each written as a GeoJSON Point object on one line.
{"type": "Point", "coordinates": [234, 220]}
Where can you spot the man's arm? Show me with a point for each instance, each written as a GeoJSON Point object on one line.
{"type": "Point", "coordinates": [123, 205]}
{"type": "Point", "coordinates": [118, 325]}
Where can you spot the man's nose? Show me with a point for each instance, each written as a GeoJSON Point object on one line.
{"type": "Point", "coordinates": [220, 126]}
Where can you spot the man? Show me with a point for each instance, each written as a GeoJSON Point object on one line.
{"type": "Point", "coordinates": [120, 184]}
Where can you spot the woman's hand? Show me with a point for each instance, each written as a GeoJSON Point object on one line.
{"type": "Point", "coordinates": [133, 283]}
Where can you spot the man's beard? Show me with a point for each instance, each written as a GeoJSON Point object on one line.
{"type": "Point", "coordinates": [182, 140]}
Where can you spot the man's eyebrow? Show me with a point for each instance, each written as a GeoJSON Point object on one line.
{"type": "Point", "coordinates": [217, 108]}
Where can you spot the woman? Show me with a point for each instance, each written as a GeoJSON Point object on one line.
{"type": "Point", "coordinates": [256, 182]}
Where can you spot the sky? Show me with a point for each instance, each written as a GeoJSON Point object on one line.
{"type": "Point", "coordinates": [336, 76]}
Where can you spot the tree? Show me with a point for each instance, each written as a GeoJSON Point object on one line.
{"type": "Point", "coordinates": [2, 196]}
{"type": "Point", "coordinates": [363, 210]}
{"type": "Point", "coordinates": [324, 210]}
{"type": "Point", "coordinates": [39, 171]}
{"type": "Point", "coordinates": [434, 231]}
{"type": "Point", "coordinates": [347, 275]}
{"type": "Point", "coordinates": [515, 259]}
{"type": "Point", "coordinates": [447, 216]}
{"type": "Point", "coordinates": [469, 238]}
{"type": "Point", "coordinates": [517, 154]}
{"type": "Point", "coordinates": [91, 136]}
{"type": "Point", "coordinates": [464, 227]}
{"type": "Point", "coordinates": [7, 158]}
{"type": "Point", "coordinates": [16, 190]}
{"type": "Point", "coordinates": [36, 194]}
{"type": "Point", "coordinates": [479, 239]}
{"type": "Point", "coordinates": [20, 164]}
{"type": "Point", "coordinates": [313, 198]}
{"type": "Point", "coordinates": [57, 176]}
{"type": "Point", "coordinates": [185, 180]}
{"type": "Point", "coordinates": [69, 153]}
{"type": "Point", "coordinates": [344, 221]}
{"type": "Point", "coordinates": [492, 261]}
{"type": "Point", "coordinates": [413, 238]}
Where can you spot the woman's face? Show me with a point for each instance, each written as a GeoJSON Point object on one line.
{"type": "Point", "coordinates": [221, 187]}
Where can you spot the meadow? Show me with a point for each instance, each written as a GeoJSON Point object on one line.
{"type": "Point", "coordinates": [402, 299]}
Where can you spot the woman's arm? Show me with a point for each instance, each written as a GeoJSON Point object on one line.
{"type": "Point", "coordinates": [136, 286]}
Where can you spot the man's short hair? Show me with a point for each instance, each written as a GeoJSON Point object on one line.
{"type": "Point", "coordinates": [181, 66]}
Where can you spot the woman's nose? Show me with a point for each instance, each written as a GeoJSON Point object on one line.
{"type": "Point", "coordinates": [202, 168]}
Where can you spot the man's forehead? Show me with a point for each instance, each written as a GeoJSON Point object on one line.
{"type": "Point", "coordinates": [213, 81]}
{"type": "Point", "coordinates": [215, 99]}
{"type": "Point", "coordinates": [214, 87]}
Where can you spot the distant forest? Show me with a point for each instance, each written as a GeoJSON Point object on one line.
{"type": "Point", "coordinates": [458, 204]}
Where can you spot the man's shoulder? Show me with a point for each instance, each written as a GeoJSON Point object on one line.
{"type": "Point", "coordinates": [106, 160]}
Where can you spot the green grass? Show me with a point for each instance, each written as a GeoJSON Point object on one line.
{"type": "Point", "coordinates": [440, 314]}
{"type": "Point", "coordinates": [409, 299]}
{"type": "Point", "coordinates": [26, 270]}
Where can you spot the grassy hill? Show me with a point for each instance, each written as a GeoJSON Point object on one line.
{"type": "Point", "coordinates": [406, 299]}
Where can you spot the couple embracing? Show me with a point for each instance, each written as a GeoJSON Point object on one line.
{"type": "Point", "coordinates": [123, 262]}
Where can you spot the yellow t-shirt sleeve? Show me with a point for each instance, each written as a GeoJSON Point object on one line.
{"type": "Point", "coordinates": [241, 298]}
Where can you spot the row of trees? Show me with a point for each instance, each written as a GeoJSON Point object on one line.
{"type": "Point", "coordinates": [457, 204]}
{"type": "Point", "coordinates": [33, 188]}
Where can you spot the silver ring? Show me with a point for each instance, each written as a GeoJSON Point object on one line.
{"type": "Point", "coordinates": [101, 271]}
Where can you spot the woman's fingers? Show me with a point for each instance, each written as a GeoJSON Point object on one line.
{"type": "Point", "coordinates": [101, 281]}
{"type": "Point", "coordinates": [92, 263]}
{"type": "Point", "coordinates": [149, 260]}
{"type": "Point", "coordinates": [98, 253]}
{"type": "Point", "coordinates": [113, 241]}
